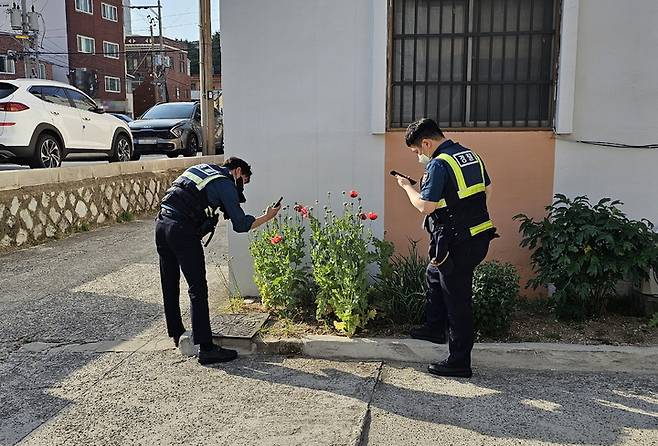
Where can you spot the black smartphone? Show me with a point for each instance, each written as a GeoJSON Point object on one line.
{"type": "Point", "coordinates": [278, 203]}
{"type": "Point", "coordinates": [398, 174]}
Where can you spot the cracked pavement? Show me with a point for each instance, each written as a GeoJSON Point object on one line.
{"type": "Point", "coordinates": [84, 360]}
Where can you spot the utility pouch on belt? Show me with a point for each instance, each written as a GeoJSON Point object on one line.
{"type": "Point", "coordinates": [208, 226]}
{"type": "Point", "coordinates": [441, 238]}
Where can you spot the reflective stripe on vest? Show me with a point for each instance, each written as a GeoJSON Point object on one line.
{"type": "Point", "coordinates": [202, 174]}
{"type": "Point", "coordinates": [475, 230]}
{"type": "Point", "coordinates": [463, 190]}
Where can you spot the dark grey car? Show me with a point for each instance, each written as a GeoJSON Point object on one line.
{"type": "Point", "coordinates": [173, 128]}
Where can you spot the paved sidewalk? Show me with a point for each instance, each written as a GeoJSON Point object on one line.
{"type": "Point", "coordinates": [84, 360]}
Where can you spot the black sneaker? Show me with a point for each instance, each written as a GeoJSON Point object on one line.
{"type": "Point", "coordinates": [426, 333]}
{"type": "Point", "coordinates": [216, 354]}
{"type": "Point", "coordinates": [445, 369]}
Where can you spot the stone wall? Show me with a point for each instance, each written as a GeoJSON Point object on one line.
{"type": "Point", "coordinates": [33, 214]}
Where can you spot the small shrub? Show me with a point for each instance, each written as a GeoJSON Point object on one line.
{"type": "Point", "coordinates": [585, 250]}
{"type": "Point", "coordinates": [495, 291]}
{"type": "Point", "coordinates": [84, 227]}
{"type": "Point", "coordinates": [279, 271]}
{"type": "Point", "coordinates": [653, 322]}
{"type": "Point", "coordinates": [401, 288]}
{"type": "Point", "coordinates": [125, 217]}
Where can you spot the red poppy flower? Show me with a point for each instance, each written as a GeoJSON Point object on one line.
{"type": "Point", "coordinates": [276, 239]}
{"type": "Point", "coordinates": [304, 211]}
{"type": "Point", "coordinates": [354, 194]}
{"type": "Point", "coordinates": [363, 216]}
{"type": "Point", "coordinates": [372, 216]}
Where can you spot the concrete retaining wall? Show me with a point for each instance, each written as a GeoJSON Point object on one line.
{"type": "Point", "coordinates": [39, 205]}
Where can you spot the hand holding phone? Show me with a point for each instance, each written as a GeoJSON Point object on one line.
{"type": "Point", "coordinates": [278, 203]}
{"type": "Point", "coordinates": [398, 174]}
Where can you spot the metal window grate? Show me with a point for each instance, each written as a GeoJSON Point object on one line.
{"type": "Point", "coordinates": [472, 63]}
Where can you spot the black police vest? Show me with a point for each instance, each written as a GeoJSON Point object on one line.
{"type": "Point", "coordinates": [464, 207]}
{"type": "Point", "coordinates": [188, 196]}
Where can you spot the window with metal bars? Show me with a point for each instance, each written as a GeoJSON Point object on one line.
{"type": "Point", "coordinates": [472, 63]}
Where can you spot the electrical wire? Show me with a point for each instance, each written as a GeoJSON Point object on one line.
{"type": "Point", "coordinates": [619, 145]}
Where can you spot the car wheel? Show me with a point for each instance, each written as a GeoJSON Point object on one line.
{"type": "Point", "coordinates": [48, 153]}
{"type": "Point", "coordinates": [172, 155]}
{"type": "Point", "coordinates": [135, 156]}
{"type": "Point", "coordinates": [122, 150]}
{"type": "Point", "coordinates": [192, 146]}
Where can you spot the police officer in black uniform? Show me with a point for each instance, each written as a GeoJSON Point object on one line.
{"type": "Point", "coordinates": [453, 198]}
{"type": "Point", "coordinates": [188, 212]}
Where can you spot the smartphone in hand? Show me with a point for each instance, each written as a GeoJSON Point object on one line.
{"type": "Point", "coordinates": [398, 174]}
{"type": "Point", "coordinates": [278, 203]}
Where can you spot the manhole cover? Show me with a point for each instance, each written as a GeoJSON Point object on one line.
{"type": "Point", "coordinates": [243, 326]}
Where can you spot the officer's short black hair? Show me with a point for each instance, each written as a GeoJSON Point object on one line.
{"type": "Point", "coordinates": [421, 129]}
{"type": "Point", "coordinates": [235, 162]}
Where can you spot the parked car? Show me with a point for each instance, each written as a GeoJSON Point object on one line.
{"type": "Point", "coordinates": [124, 118]}
{"type": "Point", "coordinates": [42, 121]}
{"type": "Point", "coordinates": [173, 128]}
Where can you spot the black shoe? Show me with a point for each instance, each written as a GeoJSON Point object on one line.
{"type": "Point", "coordinates": [445, 369]}
{"type": "Point", "coordinates": [426, 333]}
{"type": "Point", "coordinates": [216, 354]}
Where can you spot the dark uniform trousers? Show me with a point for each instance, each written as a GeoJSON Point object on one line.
{"type": "Point", "coordinates": [450, 298]}
{"type": "Point", "coordinates": [180, 248]}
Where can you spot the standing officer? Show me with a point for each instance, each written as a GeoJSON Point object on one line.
{"type": "Point", "coordinates": [453, 197]}
{"type": "Point", "coordinates": [187, 213]}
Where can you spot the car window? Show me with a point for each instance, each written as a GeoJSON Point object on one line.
{"type": "Point", "coordinates": [56, 95]}
{"type": "Point", "coordinates": [6, 89]}
{"type": "Point", "coordinates": [81, 101]}
{"type": "Point", "coordinates": [171, 110]}
{"type": "Point", "coordinates": [36, 91]}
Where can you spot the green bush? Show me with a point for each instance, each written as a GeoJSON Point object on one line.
{"type": "Point", "coordinates": [495, 292]}
{"type": "Point", "coordinates": [584, 250]}
{"type": "Point", "coordinates": [401, 288]}
{"type": "Point", "coordinates": [279, 270]}
{"type": "Point", "coordinates": [342, 248]}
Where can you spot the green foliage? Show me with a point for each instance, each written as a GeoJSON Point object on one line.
{"type": "Point", "coordinates": [401, 287]}
{"type": "Point", "coordinates": [341, 251]}
{"type": "Point", "coordinates": [653, 322]}
{"type": "Point", "coordinates": [125, 217]}
{"type": "Point", "coordinates": [84, 227]}
{"type": "Point", "coordinates": [584, 250]}
{"type": "Point", "coordinates": [280, 273]}
{"type": "Point", "coordinates": [495, 292]}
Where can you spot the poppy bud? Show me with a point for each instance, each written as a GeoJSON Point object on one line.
{"type": "Point", "coordinates": [354, 194]}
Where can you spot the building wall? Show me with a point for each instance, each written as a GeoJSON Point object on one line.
{"type": "Point", "coordinates": [616, 100]}
{"type": "Point", "coordinates": [301, 116]}
{"type": "Point", "coordinates": [100, 29]}
{"type": "Point", "coordinates": [520, 165]}
{"type": "Point", "coordinates": [8, 42]}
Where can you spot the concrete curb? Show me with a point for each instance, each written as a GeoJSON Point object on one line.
{"type": "Point", "coordinates": [532, 356]}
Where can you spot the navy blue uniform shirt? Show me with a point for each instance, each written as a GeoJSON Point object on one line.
{"type": "Point", "coordinates": [222, 191]}
{"type": "Point", "coordinates": [437, 175]}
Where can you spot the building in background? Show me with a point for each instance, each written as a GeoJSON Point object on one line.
{"type": "Point", "coordinates": [532, 86]}
{"type": "Point", "coordinates": [195, 85]}
{"type": "Point", "coordinates": [12, 67]}
{"type": "Point", "coordinates": [151, 71]}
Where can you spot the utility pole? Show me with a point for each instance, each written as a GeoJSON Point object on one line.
{"type": "Point", "coordinates": [205, 75]}
{"type": "Point", "coordinates": [162, 76]}
{"type": "Point", "coordinates": [163, 68]}
{"type": "Point", "coordinates": [28, 25]}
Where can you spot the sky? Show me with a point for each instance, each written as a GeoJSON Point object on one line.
{"type": "Point", "coordinates": [180, 18]}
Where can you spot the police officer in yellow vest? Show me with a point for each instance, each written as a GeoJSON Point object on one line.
{"type": "Point", "coordinates": [188, 212]}
{"type": "Point", "coordinates": [453, 197]}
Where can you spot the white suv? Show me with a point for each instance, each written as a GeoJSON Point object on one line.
{"type": "Point", "coordinates": [43, 121]}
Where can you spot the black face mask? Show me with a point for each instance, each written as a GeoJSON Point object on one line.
{"type": "Point", "coordinates": [239, 185]}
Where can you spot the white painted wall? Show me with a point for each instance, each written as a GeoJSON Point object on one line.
{"type": "Point", "coordinates": [616, 100]}
{"type": "Point", "coordinates": [298, 95]}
